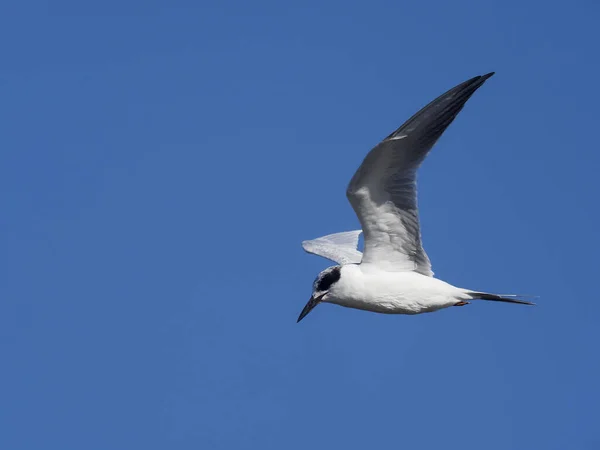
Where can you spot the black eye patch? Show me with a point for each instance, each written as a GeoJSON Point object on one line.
{"type": "Point", "coordinates": [327, 279]}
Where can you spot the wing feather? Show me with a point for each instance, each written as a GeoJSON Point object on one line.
{"type": "Point", "coordinates": [383, 191]}
{"type": "Point", "coordinates": [339, 247]}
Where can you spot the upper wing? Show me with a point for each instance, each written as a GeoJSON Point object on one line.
{"type": "Point", "coordinates": [338, 247]}
{"type": "Point", "coordinates": [383, 191]}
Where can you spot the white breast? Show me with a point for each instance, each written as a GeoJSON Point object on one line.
{"type": "Point", "coordinates": [366, 287]}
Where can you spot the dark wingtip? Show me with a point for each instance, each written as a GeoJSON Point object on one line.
{"type": "Point", "coordinates": [478, 81]}
{"type": "Point", "coordinates": [443, 109]}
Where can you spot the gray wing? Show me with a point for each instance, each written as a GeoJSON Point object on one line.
{"type": "Point", "coordinates": [383, 191]}
{"type": "Point", "coordinates": [339, 247]}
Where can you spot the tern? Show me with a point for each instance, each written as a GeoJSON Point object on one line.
{"type": "Point", "coordinates": [393, 275]}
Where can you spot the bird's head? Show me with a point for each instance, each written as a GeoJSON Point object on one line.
{"type": "Point", "coordinates": [321, 286]}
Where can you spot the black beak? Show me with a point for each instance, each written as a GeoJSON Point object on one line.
{"type": "Point", "coordinates": [314, 301]}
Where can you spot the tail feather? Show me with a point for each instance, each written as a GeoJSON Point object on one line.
{"type": "Point", "coordinates": [499, 298]}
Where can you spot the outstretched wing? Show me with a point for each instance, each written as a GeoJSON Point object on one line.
{"type": "Point", "coordinates": [339, 247]}
{"type": "Point", "coordinates": [383, 191]}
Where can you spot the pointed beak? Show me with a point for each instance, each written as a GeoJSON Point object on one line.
{"type": "Point", "coordinates": [314, 301]}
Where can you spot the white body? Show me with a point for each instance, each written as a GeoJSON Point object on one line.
{"type": "Point", "coordinates": [393, 275]}
{"type": "Point", "coordinates": [368, 288]}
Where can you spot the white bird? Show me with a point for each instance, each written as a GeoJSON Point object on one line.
{"type": "Point", "coordinates": [393, 275]}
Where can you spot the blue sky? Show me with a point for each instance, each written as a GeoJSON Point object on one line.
{"type": "Point", "coordinates": [161, 162]}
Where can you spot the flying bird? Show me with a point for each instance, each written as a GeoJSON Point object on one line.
{"type": "Point", "coordinates": [393, 275]}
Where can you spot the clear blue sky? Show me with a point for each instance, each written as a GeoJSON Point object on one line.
{"type": "Point", "coordinates": [160, 163]}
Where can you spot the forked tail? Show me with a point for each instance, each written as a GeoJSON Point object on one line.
{"type": "Point", "coordinates": [499, 298]}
